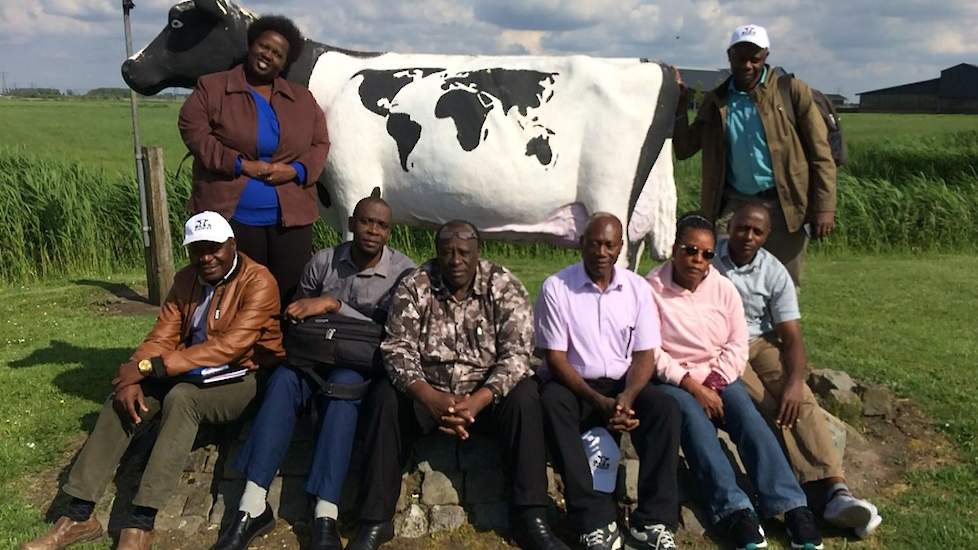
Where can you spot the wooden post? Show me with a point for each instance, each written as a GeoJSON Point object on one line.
{"type": "Point", "coordinates": [159, 254]}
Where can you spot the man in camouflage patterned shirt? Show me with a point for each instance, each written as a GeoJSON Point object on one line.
{"type": "Point", "coordinates": [459, 339]}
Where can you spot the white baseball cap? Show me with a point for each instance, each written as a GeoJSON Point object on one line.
{"type": "Point", "coordinates": [755, 34]}
{"type": "Point", "coordinates": [603, 456]}
{"type": "Point", "coordinates": [207, 226]}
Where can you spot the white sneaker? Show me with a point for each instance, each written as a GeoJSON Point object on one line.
{"type": "Point", "coordinates": [863, 532]}
{"type": "Point", "coordinates": [847, 511]}
{"type": "Point", "coordinates": [602, 538]}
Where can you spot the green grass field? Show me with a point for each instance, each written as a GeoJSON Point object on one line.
{"type": "Point", "coordinates": [902, 321]}
{"type": "Point", "coordinates": [902, 318]}
{"type": "Point", "coordinates": [101, 131]}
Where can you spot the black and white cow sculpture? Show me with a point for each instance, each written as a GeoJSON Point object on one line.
{"type": "Point", "coordinates": [525, 147]}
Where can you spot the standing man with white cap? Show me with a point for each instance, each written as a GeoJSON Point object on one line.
{"type": "Point", "coordinates": [754, 153]}
{"type": "Point", "coordinates": [219, 313]}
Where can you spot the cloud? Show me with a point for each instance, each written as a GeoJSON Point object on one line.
{"type": "Point", "coordinates": [548, 15]}
{"type": "Point", "coordinates": [837, 45]}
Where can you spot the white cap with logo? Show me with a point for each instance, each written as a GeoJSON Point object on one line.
{"type": "Point", "coordinates": [207, 226]}
{"type": "Point", "coordinates": [603, 456]}
{"type": "Point", "coordinates": [755, 34]}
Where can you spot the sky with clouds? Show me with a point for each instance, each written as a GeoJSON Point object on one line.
{"type": "Point", "coordinates": [843, 46]}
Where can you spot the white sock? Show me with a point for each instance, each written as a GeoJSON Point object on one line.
{"type": "Point", "coordinates": [836, 488]}
{"type": "Point", "coordinates": [253, 499]}
{"type": "Point", "coordinates": [326, 509]}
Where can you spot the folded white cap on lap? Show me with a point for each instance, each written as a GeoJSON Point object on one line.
{"type": "Point", "coordinates": [207, 226]}
{"type": "Point", "coordinates": [603, 456]}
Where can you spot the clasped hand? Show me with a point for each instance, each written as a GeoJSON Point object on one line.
{"type": "Point", "coordinates": [619, 412]}
{"type": "Point", "coordinates": [274, 173]}
{"type": "Point", "coordinates": [455, 413]}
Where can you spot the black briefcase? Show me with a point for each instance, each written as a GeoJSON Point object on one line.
{"type": "Point", "coordinates": [334, 340]}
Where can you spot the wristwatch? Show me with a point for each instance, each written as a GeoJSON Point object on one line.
{"type": "Point", "coordinates": [145, 367]}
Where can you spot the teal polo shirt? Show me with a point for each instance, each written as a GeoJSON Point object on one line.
{"type": "Point", "coordinates": [748, 156]}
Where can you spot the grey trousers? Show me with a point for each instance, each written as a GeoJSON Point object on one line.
{"type": "Point", "coordinates": [181, 408]}
{"type": "Point", "coordinates": [786, 246]}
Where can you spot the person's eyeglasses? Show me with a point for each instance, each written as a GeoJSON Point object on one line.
{"type": "Point", "coordinates": [461, 235]}
{"type": "Point", "coordinates": [691, 250]}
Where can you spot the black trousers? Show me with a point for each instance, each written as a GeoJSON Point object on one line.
{"type": "Point", "coordinates": [283, 250]}
{"type": "Point", "coordinates": [391, 428]}
{"type": "Point", "coordinates": [656, 439]}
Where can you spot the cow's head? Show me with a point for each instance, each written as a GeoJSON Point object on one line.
{"type": "Point", "coordinates": [200, 37]}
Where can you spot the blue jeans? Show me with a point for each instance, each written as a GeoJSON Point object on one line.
{"type": "Point", "coordinates": [768, 469]}
{"type": "Point", "coordinates": [288, 393]}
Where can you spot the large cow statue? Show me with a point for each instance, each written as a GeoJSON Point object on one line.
{"type": "Point", "coordinates": [525, 147]}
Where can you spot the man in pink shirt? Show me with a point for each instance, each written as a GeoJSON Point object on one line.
{"type": "Point", "coordinates": [704, 352]}
{"type": "Point", "coordinates": [599, 328]}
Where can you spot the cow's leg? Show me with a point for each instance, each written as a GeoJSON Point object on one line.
{"type": "Point", "coordinates": [635, 250]}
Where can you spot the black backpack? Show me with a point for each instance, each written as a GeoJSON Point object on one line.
{"type": "Point", "coordinates": [837, 140]}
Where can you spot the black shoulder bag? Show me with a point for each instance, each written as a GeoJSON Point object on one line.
{"type": "Point", "coordinates": [329, 341]}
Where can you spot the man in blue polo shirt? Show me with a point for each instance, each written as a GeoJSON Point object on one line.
{"type": "Point", "coordinates": [775, 375]}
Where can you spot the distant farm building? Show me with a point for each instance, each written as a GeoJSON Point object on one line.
{"type": "Point", "coordinates": [956, 91]}
{"type": "Point", "coordinates": [838, 100]}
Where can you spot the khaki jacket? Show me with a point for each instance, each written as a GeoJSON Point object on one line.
{"type": "Point", "coordinates": [218, 122]}
{"type": "Point", "coordinates": [804, 172]}
{"type": "Point", "coordinates": [246, 332]}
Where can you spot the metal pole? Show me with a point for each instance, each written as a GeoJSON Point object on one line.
{"type": "Point", "coordinates": [127, 6]}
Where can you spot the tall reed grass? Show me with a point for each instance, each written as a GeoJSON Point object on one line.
{"type": "Point", "coordinates": [62, 219]}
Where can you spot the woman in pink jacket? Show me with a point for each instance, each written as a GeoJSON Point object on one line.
{"type": "Point", "coordinates": [703, 354]}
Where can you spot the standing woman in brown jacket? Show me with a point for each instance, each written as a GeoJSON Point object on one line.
{"type": "Point", "coordinates": [259, 143]}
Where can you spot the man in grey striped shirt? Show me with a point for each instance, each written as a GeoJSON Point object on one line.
{"type": "Point", "coordinates": [355, 279]}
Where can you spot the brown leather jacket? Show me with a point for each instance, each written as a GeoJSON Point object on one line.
{"type": "Point", "coordinates": [219, 122]}
{"type": "Point", "coordinates": [804, 172]}
{"type": "Point", "coordinates": [242, 328]}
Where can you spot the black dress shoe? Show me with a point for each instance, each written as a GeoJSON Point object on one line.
{"type": "Point", "coordinates": [324, 535]}
{"type": "Point", "coordinates": [371, 535]}
{"type": "Point", "coordinates": [244, 529]}
{"type": "Point", "coordinates": [534, 534]}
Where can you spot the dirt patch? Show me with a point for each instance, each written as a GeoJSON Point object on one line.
{"type": "Point", "coordinates": [118, 298]}
{"type": "Point", "coordinates": [892, 447]}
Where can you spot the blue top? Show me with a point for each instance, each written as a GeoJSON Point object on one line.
{"type": "Point", "coordinates": [258, 204]}
{"type": "Point", "coordinates": [765, 288]}
{"type": "Point", "coordinates": [748, 155]}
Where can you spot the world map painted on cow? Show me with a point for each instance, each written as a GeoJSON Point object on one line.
{"type": "Point", "coordinates": [467, 98]}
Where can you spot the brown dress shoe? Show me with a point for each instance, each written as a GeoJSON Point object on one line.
{"type": "Point", "coordinates": [65, 531]}
{"type": "Point", "coordinates": [135, 539]}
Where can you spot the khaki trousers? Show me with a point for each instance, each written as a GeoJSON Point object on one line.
{"type": "Point", "coordinates": [181, 408]}
{"type": "Point", "coordinates": [786, 246]}
{"type": "Point", "coordinates": [808, 444]}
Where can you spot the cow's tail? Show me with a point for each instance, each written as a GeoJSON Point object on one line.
{"type": "Point", "coordinates": [652, 203]}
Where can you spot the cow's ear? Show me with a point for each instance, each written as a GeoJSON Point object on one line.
{"type": "Point", "coordinates": [218, 8]}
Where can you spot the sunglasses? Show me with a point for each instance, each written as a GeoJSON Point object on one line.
{"type": "Point", "coordinates": [691, 250]}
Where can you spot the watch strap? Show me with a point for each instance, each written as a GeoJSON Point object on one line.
{"type": "Point", "coordinates": [159, 369]}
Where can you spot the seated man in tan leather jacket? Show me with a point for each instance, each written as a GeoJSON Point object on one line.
{"type": "Point", "coordinates": [219, 313]}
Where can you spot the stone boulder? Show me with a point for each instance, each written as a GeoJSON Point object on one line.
{"type": "Point", "coordinates": [836, 392]}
